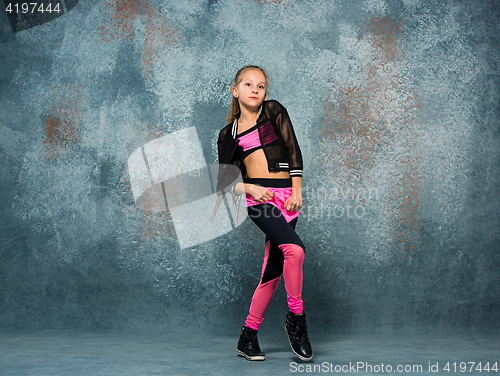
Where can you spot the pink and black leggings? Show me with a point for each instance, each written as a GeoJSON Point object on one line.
{"type": "Point", "coordinates": [284, 255]}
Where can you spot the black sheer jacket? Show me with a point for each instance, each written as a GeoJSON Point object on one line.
{"type": "Point", "coordinates": [282, 152]}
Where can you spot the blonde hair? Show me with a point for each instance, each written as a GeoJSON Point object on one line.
{"type": "Point", "coordinates": [235, 104]}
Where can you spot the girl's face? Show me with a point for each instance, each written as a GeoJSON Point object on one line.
{"type": "Point", "coordinates": [251, 91]}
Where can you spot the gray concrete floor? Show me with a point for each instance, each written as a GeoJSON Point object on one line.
{"type": "Point", "coordinates": [119, 353]}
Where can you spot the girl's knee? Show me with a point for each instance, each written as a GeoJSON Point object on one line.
{"type": "Point", "coordinates": [292, 251]}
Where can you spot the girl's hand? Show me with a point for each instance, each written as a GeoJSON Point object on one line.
{"type": "Point", "coordinates": [261, 194]}
{"type": "Point", "coordinates": [294, 202]}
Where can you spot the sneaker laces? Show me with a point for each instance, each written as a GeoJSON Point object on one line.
{"type": "Point", "coordinates": [302, 334]}
{"type": "Point", "coordinates": [253, 342]}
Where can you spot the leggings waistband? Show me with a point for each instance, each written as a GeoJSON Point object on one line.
{"type": "Point", "coordinates": [270, 182]}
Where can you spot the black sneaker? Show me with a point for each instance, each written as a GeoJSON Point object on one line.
{"type": "Point", "coordinates": [296, 328]}
{"type": "Point", "coordinates": [248, 345]}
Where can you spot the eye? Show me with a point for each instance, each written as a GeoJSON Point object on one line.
{"type": "Point", "coordinates": [248, 84]}
{"type": "Point", "coordinates": [261, 87]}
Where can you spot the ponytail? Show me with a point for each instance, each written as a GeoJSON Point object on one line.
{"type": "Point", "coordinates": [233, 110]}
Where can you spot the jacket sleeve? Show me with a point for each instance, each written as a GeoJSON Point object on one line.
{"type": "Point", "coordinates": [220, 145]}
{"type": "Point", "coordinates": [229, 174]}
{"type": "Point", "coordinates": [290, 142]}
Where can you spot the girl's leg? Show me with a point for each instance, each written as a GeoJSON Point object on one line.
{"type": "Point", "coordinates": [284, 255]}
{"type": "Point", "coordinates": [292, 273]}
{"type": "Point", "coordinates": [264, 292]}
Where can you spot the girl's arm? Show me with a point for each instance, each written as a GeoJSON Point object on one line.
{"type": "Point", "coordinates": [262, 194]}
{"type": "Point", "coordinates": [294, 202]}
{"type": "Point", "coordinates": [259, 193]}
{"type": "Point", "coordinates": [290, 142]}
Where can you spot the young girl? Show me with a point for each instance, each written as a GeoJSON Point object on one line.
{"type": "Point", "coordinates": [260, 140]}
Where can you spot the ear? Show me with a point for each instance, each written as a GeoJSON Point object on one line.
{"type": "Point", "coordinates": [235, 91]}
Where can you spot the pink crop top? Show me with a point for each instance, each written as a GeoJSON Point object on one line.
{"type": "Point", "coordinates": [249, 140]}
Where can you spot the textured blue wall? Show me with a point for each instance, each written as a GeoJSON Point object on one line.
{"type": "Point", "coordinates": [395, 105]}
